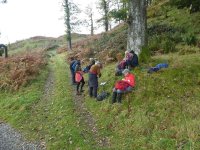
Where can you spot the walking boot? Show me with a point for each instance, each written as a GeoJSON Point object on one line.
{"type": "Point", "coordinates": [78, 93]}
{"type": "Point", "coordinates": [114, 96]}
{"type": "Point", "coordinates": [119, 97]}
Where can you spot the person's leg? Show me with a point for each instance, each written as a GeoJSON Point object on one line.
{"type": "Point", "coordinates": [114, 96]}
{"type": "Point", "coordinates": [90, 91]}
{"type": "Point", "coordinates": [82, 84]}
{"type": "Point", "coordinates": [77, 88]}
{"type": "Point", "coordinates": [95, 91]}
{"type": "Point", "coordinates": [73, 77]}
{"type": "Point", "coordinates": [119, 96]}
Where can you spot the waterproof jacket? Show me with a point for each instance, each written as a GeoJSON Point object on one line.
{"type": "Point", "coordinates": [95, 69]}
{"type": "Point", "coordinates": [71, 64]}
{"type": "Point", "coordinates": [130, 79]}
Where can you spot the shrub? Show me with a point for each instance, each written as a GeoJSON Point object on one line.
{"type": "Point", "coordinates": [144, 56]}
{"type": "Point", "coordinates": [194, 5]}
{"type": "Point", "coordinates": [168, 46]}
{"type": "Point", "coordinates": [190, 39]}
{"type": "Point", "coordinates": [16, 71]}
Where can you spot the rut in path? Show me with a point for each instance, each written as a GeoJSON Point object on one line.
{"type": "Point", "coordinates": [90, 132]}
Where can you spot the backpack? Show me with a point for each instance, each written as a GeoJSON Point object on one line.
{"type": "Point", "coordinates": [121, 85]}
{"type": "Point", "coordinates": [162, 65]}
{"type": "Point", "coordinates": [102, 96]}
{"type": "Point", "coordinates": [78, 77]}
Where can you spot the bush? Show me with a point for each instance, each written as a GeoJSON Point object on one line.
{"type": "Point", "coordinates": [168, 46]}
{"type": "Point", "coordinates": [154, 44]}
{"type": "Point", "coordinates": [190, 39]}
{"type": "Point", "coordinates": [144, 56]}
{"type": "Point", "coordinates": [16, 71]}
{"type": "Point", "coordinates": [194, 5]}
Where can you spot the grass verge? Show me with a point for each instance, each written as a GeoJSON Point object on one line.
{"type": "Point", "coordinates": [51, 120]}
{"type": "Point", "coordinates": [163, 113]}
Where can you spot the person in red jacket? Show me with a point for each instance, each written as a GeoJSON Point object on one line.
{"type": "Point", "coordinates": [123, 86]}
{"type": "Point", "coordinates": [79, 79]}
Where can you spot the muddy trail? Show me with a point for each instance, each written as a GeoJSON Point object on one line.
{"type": "Point", "coordinates": [91, 132]}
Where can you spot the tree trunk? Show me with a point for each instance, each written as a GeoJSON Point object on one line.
{"type": "Point", "coordinates": [105, 8]}
{"type": "Point", "coordinates": [137, 26]}
{"type": "Point", "coordinates": [92, 25]}
{"type": "Point", "coordinates": [69, 40]}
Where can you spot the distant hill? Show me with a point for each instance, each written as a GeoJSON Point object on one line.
{"type": "Point", "coordinates": [41, 42]}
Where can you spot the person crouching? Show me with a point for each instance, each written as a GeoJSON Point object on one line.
{"type": "Point", "coordinates": [123, 86]}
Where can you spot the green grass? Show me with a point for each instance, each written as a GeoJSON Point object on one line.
{"type": "Point", "coordinates": [51, 120]}
{"type": "Point", "coordinates": [164, 107]}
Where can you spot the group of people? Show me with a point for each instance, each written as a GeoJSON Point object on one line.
{"type": "Point", "coordinates": [94, 72]}
{"type": "Point", "coordinates": [129, 61]}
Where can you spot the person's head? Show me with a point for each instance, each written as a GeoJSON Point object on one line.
{"type": "Point", "coordinates": [71, 58]}
{"type": "Point", "coordinates": [92, 61]}
{"type": "Point", "coordinates": [125, 72]}
{"type": "Point", "coordinates": [99, 64]}
{"type": "Point", "coordinates": [78, 62]}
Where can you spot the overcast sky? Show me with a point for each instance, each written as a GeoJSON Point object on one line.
{"type": "Point", "coordinates": [22, 19]}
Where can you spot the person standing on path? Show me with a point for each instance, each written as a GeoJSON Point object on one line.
{"type": "Point", "coordinates": [72, 61]}
{"type": "Point", "coordinates": [94, 74]}
{"type": "Point", "coordinates": [79, 79]}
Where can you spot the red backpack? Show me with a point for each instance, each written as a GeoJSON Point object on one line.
{"type": "Point", "coordinates": [121, 85]}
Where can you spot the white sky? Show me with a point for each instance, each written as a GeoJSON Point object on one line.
{"type": "Point", "coordinates": [22, 19]}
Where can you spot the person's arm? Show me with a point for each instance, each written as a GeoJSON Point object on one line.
{"type": "Point", "coordinates": [99, 72]}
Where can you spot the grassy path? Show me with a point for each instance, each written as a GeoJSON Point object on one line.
{"type": "Point", "coordinates": [50, 113]}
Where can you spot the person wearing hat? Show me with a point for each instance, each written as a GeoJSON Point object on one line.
{"type": "Point", "coordinates": [94, 74]}
{"type": "Point", "coordinates": [123, 86]}
{"type": "Point", "coordinates": [87, 68]}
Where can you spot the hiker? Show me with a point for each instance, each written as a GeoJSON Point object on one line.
{"type": "Point", "coordinates": [120, 67]}
{"type": "Point", "coordinates": [87, 68]}
{"type": "Point", "coordinates": [134, 60]}
{"type": "Point", "coordinates": [121, 64]}
{"type": "Point", "coordinates": [72, 61]}
{"type": "Point", "coordinates": [131, 59]}
{"type": "Point", "coordinates": [79, 79]}
{"type": "Point", "coordinates": [94, 74]}
{"type": "Point", "coordinates": [123, 86]}
{"type": "Point", "coordinates": [128, 56]}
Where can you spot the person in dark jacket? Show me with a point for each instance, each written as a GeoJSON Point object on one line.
{"type": "Point", "coordinates": [131, 59]}
{"type": "Point", "coordinates": [72, 61]}
{"type": "Point", "coordinates": [134, 61]}
{"type": "Point", "coordinates": [94, 74]}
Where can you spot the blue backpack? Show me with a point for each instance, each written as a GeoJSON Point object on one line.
{"type": "Point", "coordinates": [163, 65]}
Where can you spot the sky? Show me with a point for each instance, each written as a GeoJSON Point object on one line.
{"type": "Point", "coordinates": [22, 19]}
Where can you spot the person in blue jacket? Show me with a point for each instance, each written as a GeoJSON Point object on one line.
{"type": "Point", "coordinates": [72, 61]}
